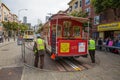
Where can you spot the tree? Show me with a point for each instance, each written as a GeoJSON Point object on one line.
{"type": "Point", "coordinates": [79, 14]}
{"type": "Point", "coordinates": [40, 28]}
{"type": "Point", "coordinates": [14, 26]}
{"type": "Point", "coordinates": [104, 5]}
{"type": "Point", "coordinates": [8, 27]}
{"type": "Point", "coordinates": [22, 27]}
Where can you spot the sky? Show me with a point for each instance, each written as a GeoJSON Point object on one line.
{"type": "Point", "coordinates": [36, 9]}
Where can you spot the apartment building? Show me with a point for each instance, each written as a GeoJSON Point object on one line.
{"type": "Point", "coordinates": [75, 5]}
{"type": "Point", "coordinates": [10, 17]}
{"type": "Point", "coordinates": [94, 18]}
{"type": "Point", "coordinates": [5, 12]}
{"type": "Point", "coordinates": [6, 15]}
{"type": "Point", "coordinates": [15, 18]}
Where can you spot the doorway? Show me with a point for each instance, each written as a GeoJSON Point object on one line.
{"type": "Point", "coordinates": [109, 34]}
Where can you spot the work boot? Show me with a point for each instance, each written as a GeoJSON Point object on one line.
{"type": "Point", "coordinates": [41, 67]}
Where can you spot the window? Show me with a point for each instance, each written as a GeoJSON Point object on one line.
{"type": "Point", "coordinates": [67, 29]}
{"type": "Point", "coordinates": [76, 5]}
{"type": "Point", "coordinates": [88, 11]}
{"type": "Point", "coordinates": [80, 3]}
{"type": "Point", "coordinates": [59, 31]}
{"type": "Point", "coordinates": [70, 9]}
{"type": "Point", "coordinates": [77, 31]}
{"type": "Point", "coordinates": [5, 18]}
{"type": "Point", "coordinates": [87, 2]}
{"type": "Point", "coordinates": [96, 20]}
{"type": "Point", "coordinates": [54, 30]}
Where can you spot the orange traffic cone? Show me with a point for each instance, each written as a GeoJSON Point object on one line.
{"type": "Point", "coordinates": [53, 56]}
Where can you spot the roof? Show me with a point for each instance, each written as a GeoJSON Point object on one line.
{"type": "Point", "coordinates": [70, 2]}
{"type": "Point", "coordinates": [64, 16]}
{"type": "Point", "coordinates": [5, 6]}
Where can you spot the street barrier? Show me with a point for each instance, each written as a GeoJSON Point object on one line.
{"type": "Point", "coordinates": [107, 48]}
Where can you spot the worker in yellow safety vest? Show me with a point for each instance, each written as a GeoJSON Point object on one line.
{"type": "Point", "coordinates": [39, 51]}
{"type": "Point", "coordinates": [91, 48]}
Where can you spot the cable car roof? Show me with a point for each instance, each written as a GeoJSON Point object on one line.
{"type": "Point", "coordinates": [64, 16]}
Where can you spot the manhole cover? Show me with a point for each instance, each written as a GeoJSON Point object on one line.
{"type": "Point", "coordinates": [14, 73]}
{"type": "Point", "coordinates": [5, 50]}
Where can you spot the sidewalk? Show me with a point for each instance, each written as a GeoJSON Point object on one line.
{"type": "Point", "coordinates": [10, 53]}
{"type": "Point", "coordinates": [6, 42]}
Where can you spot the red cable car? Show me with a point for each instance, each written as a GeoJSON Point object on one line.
{"type": "Point", "coordinates": [63, 36]}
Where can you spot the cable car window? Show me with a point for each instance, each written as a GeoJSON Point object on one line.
{"type": "Point", "coordinates": [54, 30]}
{"type": "Point", "coordinates": [77, 31]}
{"type": "Point", "coordinates": [67, 29]}
{"type": "Point", "coordinates": [25, 32]}
{"type": "Point", "coordinates": [59, 31]}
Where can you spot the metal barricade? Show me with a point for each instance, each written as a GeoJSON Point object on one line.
{"type": "Point", "coordinates": [107, 48]}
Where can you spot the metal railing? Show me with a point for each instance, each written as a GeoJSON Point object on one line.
{"type": "Point", "coordinates": [107, 48]}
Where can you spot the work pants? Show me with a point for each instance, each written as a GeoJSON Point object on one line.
{"type": "Point", "coordinates": [92, 55]}
{"type": "Point", "coordinates": [37, 56]}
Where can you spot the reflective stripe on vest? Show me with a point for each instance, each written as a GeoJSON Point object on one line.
{"type": "Point", "coordinates": [40, 44]}
{"type": "Point", "coordinates": [91, 45]}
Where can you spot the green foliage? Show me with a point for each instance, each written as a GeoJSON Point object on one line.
{"type": "Point", "coordinates": [14, 26]}
{"type": "Point", "coordinates": [6, 25]}
{"type": "Point", "coordinates": [98, 5]}
{"type": "Point", "coordinates": [40, 28]}
{"type": "Point", "coordinates": [102, 5]}
{"type": "Point", "coordinates": [79, 14]}
{"type": "Point", "coordinates": [22, 27]}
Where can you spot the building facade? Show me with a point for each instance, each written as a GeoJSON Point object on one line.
{"type": "Point", "coordinates": [94, 18]}
{"type": "Point", "coordinates": [75, 5]}
{"type": "Point", "coordinates": [109, 24]}
{"type": "Point", "coordinates": [5, 12]}
{"type": "Point", "coordinates": [15, 18]}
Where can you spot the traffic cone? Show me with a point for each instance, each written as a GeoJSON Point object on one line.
{"type": "Point", "coordinates": [53, 56]}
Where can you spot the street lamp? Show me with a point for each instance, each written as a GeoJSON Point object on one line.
{"type": "Point", "coordinates": [20, 11]}
{"type": "Point", "coordinates": [19, 14]}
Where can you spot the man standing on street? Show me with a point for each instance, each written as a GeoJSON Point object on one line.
{"type": "Point", "coordinates": [40, 52]}
{"type": "Point", "coordinates": [91, 48]}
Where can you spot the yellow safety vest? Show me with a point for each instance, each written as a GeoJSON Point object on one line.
{"type": "Point", "coordinates": [91, 45]}
{"type": "Point", "coordinates": [40, 44]}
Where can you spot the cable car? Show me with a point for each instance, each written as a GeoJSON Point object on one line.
{"type": "Point", "coordinates": [28, 35]}
{"type": "Point", "coordinates": [63, 36]}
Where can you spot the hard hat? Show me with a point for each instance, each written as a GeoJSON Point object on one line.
{"type": "Point", "coordinates": [38, 35]}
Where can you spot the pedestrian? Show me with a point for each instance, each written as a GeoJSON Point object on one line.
{"type": "Point", "coordinates": [39, 51]}
{"type": "Point", "coordinates": [91, 48]}
{"type": "Point", "coordinates": [100, 43]}
{"type": "Point", "coordinates": [0, 38]}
